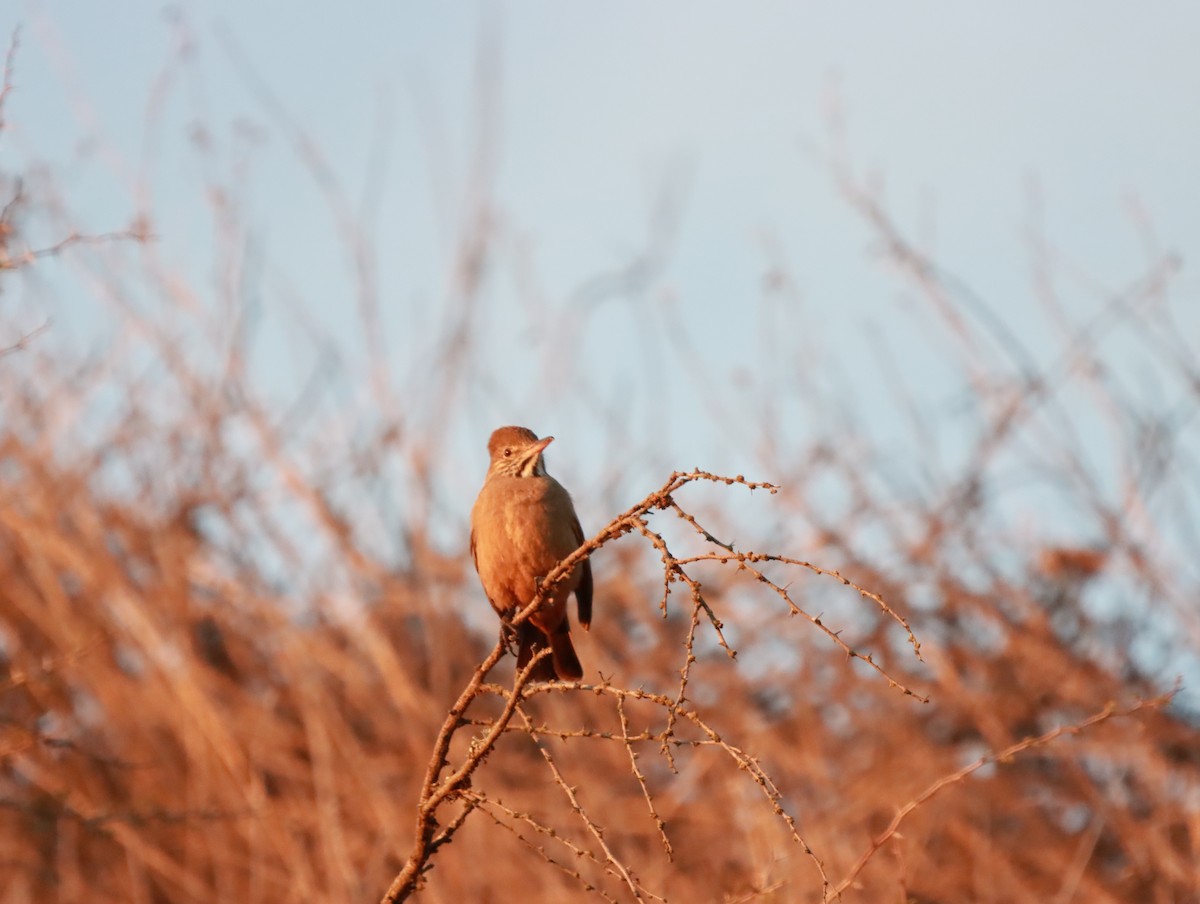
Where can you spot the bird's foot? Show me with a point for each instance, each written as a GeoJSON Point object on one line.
{"type": "Point", "coordinates": [508, 635]}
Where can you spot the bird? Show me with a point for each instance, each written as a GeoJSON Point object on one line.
{"type": "Point", "coordinates": [523, 524]}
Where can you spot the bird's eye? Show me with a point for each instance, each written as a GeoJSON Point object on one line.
{"type": "Point", "coordinates": [508, 453]}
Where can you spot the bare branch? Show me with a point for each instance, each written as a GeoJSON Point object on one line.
{"type": "Point", "coordinates": [6, 86]}
{"type": "Point", "coordinates": [24, 341]}
{"type": "Point", "coordinates": [1004, 756]}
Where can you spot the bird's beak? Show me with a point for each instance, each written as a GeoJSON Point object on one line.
{"type": "Point", "coordinates": [540, 446]}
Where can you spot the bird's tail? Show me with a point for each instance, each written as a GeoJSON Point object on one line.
{"type": "Point", "coordinates": [562, 662]}
{"type": "Point", "coordinates": [531, 641]}
{"type": "Point", "coordinates": [566, 663]}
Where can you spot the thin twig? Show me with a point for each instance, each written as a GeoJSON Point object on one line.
{"type": "Point", "coordinates": [9, 67]}
{"type": "Point", "coordinates": [24, 258]}
{"type": "Point", "coordinates": [626, 874]}
{"type": "Point", "coordinates": [1110, 711]}
{"type": "Point", "coordinates": [487, 805]}
{"type": "Point", "coordinates": [24, 341]}
{"type": "Point", "coordinates": [641, 780]}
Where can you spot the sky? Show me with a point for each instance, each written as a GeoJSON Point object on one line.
{"type": "Point", "coordinates": [596, 117]}
{"type": "Point", "coordinates": [580, 126]}
{"type": "Point", "coordinates": [646, 173]}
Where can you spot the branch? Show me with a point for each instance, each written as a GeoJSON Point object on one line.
{"type": "Point", "coordinates": [24, 341]}
{"type": "Point", "coordinates": [1110, 711]}
{"type": "Point", "coordinates": [434, 793]}
{"type": "Point", "coordinates": [437, 790]}
{"type": "Point", "coordinates": [6, 85]}
{"type": "Point", "coordinates": [29, 256]}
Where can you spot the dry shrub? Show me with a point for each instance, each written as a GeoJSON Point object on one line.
{"type": "Point", "coordinates": [214, 684]}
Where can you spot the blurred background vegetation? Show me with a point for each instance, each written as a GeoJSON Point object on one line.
{"type": "Point", "coordinates": [233, 613]}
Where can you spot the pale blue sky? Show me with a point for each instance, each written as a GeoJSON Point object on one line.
{"type": "Point", "coordinates": [961, 110]}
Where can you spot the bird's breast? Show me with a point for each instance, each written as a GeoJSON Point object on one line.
{"type": "Point", "coordinates": [523, 527]}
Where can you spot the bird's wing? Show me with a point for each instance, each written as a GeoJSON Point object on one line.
{"type": "Point", "coordinates": [474, 555]}
{"type": "Point", "coordinates": [583, 593]}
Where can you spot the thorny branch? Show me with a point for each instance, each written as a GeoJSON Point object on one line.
{"type": "Point", "coordinates": [436, 790]}
{"type": "Point", "coordinates": [626, 874]}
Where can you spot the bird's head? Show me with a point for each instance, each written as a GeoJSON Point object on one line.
{"type": "Point", "coordinates": [517, 452]}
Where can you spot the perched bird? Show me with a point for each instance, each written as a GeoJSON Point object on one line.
{"type": "Point", "coordinates": [522, 525]}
